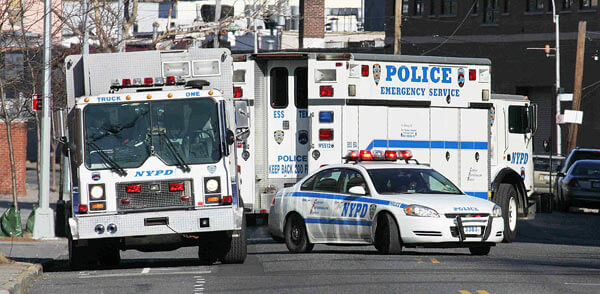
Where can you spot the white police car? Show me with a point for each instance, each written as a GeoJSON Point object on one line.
{"type": "Point", "coordinates": [387, 204]}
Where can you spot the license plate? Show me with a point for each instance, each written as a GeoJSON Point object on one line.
{"type": "Point", "coordinates": [469, 230]}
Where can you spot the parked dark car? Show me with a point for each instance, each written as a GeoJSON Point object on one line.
{"type": "Point", "coordinates": [543, 177]}
{"type": "Point", "coordinates": [575, 155]}
{"type": "Point", "coordinates": [580, 186]}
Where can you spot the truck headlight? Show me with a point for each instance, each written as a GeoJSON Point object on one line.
{"type": "Point", "coordinates": [97, 192]}
{"type": "Point", "coordinates": [211, 185]}
{"type": "Point", "coordinates": [419, 210]}
{"type": "Point", "coordinates": [497, 211]}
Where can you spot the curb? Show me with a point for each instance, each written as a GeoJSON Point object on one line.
{"type": "Point", "coordinates": [24, 281]}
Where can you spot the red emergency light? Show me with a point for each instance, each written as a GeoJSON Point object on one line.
{"type": "Point", "coordinates": [326, 91]}
{"type": "Point", "coordinates": [325, 134]}
{"type": "Point", "coordinates": [472, 74]}
{"type": "Point", "coordinates": [170, 80]}
{"type": "Point", "coordinates": [364, 69]}
{"type": "Point", "coordinates": [133, 188]}
{"type": "Point", "coordinates": [179, 186]}
{"type": "Point", "coordinates": [148, 82]}
{"type": "Point", "coordinates": [238, 92]}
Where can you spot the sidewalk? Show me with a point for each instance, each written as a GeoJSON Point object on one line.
{"type": "Point", "coordinates": [17, 277]}
{"type": "Point", "coordinates": [21, 259]}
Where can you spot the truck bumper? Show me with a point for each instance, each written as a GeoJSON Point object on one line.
{"type": "Point", "coordinates": [153, 223]}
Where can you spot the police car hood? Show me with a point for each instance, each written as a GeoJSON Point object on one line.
{"type": "Point", "coordinates": [445, 203]}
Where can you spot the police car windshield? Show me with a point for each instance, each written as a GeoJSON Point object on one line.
{"type": "Point", "coordinates": [127, 132]}
{"type": "Point", "coordinates": [410, 180]}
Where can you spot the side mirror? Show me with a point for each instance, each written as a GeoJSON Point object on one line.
{"type": "Point", "coordinates": [229, 137]}
{"type": "Point", "coordinates": [63, 146]}
{"type": "Point", "coordinates": [546, 145]}
{"type": "Point", "coordinates": [357, 190]}
{"type": "Point", "coordinates": [242, 114]}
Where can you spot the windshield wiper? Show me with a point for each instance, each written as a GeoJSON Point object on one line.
{"type": "Point", "coordinates": [180, 162]}
{"type": "Point", "coordinates": [111, 163]}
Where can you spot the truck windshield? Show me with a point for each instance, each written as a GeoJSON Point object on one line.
{"type": "Point", "coordinates": [128, 133]}
{"type": "Point", "coordinates": [410, 180]}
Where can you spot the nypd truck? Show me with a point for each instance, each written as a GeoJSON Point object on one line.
{"type": "Point", "coordinates": [308, 110]}
{"type": "Point", "coordinates": [153, 164]}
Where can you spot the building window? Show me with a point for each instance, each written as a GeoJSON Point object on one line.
{"type": "Point", "coordinates": [535, 6]}
{"type": "Point", "coordinates": [432, 7]}
{"type": "Point", "coordinates": [448, 7]}
{"type": "Point", "coordinates": [505, 7]}
{"type": "Point", "coordinates": [418, 7]}
{"type": "Point", "coordinates": [588, 4]}
{"type": "Point", "coordinates": [566, 5]}
{"type": "Point", "coordinates": [404, 7]}
{"type": "Point", "coordinates": [490, 11]}
{"type": "Point", "coordinates": [475, 9]}
{"type": "Point", "coordinates": [13, 68]}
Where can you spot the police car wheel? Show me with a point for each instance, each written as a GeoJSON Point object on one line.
{"type": "Point", "coordinates": [506, 197]}
{"type": "Point", "coordinates": [480, 250]}
{"type": "Point", "coordinates": [296, 238]}
{"type": "Point", "coordinates": [387, 235]}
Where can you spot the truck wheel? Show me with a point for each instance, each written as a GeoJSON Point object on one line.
{"type": "Point", "coordinates": [206, 249]}
{"type": "Point", "coordinates": [296, 238]}
{"type": "Point", "coordinates": [80, 257]}
{"type": "Point", "coordinates": [480, 250]}
{"type": "Point", "coordinates": [109, 256]}
{"type": "Point", "coordinates": [387, 235]}
{"type": "Point", "coordinates": [506, 197]}
{"type": "Point", "coordinates": [236, 247]}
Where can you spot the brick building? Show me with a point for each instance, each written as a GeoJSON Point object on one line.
{"type": "Point", "coordinates": [19, 139]}
{"type": "Point", "coordinates": [503, 30]}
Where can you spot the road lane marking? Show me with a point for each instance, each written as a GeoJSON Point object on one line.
{"type": "Point", "coordinates": [146, 270]}
{"type": "Point", "coordinates": [433, 260]}
{"type": "Point", "coordinates": [464, 292]}
{"type": "Point", "coordinates": [140, 274]}
{"type": "Point", "coordinates": [482, 292]}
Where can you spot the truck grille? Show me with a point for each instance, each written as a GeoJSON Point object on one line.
{"type": "Point", "coordinates": [154, 194]}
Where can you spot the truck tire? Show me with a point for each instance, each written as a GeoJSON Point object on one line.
{"type": "Point", "coordinates": [81, 257]}
{"type": "Point", "coordinates": [387, 235]}
{"type": "Point", "coordinates": [108, 256]}
{"type": "Point", "coordinates": [296, 238]}
{"type": "Point", "coordinates": [206, 249]}
{"type": "Point", "coordinates": [480, 250]}
{"type": "Point", "coordinates": [506, 197]}
{"type": "Point", "coordinates": [236, 247]}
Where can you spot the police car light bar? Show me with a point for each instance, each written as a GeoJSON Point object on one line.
{"type": "Point", "coordinates": [378, 155]}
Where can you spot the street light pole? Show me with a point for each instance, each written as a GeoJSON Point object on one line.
{"type": "Point", "coordinates": [557, 49]}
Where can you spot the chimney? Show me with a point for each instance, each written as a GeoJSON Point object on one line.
{"type": "Point", "coordinates": [312, 24]}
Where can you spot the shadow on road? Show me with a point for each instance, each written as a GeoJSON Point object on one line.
{"type": "Point", "coordinates": [559, 228]}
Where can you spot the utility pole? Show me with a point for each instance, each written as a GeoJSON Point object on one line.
{"type": "Point", "coordinates": [397, 26]}
{"type": "Point", "coordinates": [44, 216]}
{"type": "Point", "coordinates": [557, 49]}
{"type": "Point", "coordinates": [577, 82]}
{"type": "Point", "coordinates": [217, 18]}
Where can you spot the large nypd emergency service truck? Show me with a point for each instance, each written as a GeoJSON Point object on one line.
{"type": "Point", "coordinates": [153, 163]}
{"type": "Point", "coordinates": [312, 109]}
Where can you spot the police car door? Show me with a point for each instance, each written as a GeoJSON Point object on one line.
{"type": "Point", "coordinates": [287, 121]}
{"type": "Point", "coordinates": [317, 205]}
{"type": "Point", "coordinates": [354, 219]}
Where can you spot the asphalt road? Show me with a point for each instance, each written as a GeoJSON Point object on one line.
{"type": "Point", "coordinates": [555, 253]}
